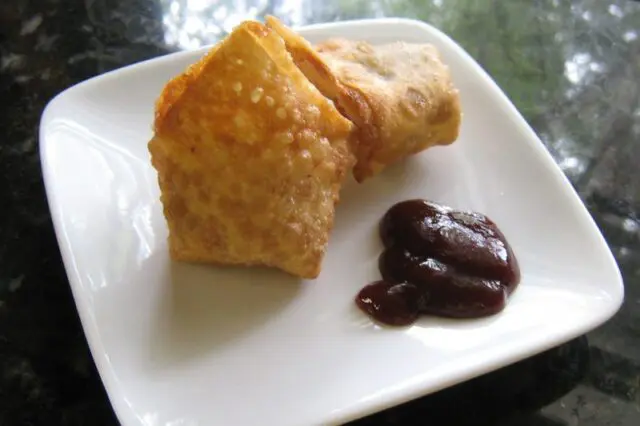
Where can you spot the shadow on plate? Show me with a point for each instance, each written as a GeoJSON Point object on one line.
{"type": "Point", "coordinates": [205, 308]}
{"type": "Point", "coordinates": [388, 186]}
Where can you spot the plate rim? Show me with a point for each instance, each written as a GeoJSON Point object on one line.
{"type": "Point", "coordinates": [124, 412]}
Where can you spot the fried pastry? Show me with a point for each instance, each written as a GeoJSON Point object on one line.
{"type": "Point", "coordinates": [400, 95]}
{"type": "Point", "coordinates": [250, 157]}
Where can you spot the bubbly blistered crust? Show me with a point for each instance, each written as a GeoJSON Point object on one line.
{"type": "Point", "coordinates": [399, 95]}
{"type": "Point", "coordinates": [349, 101]}
{"type": "Point", "coordinates": [408, 89]}
{"type": "Point", "coordinates": [250, 158]}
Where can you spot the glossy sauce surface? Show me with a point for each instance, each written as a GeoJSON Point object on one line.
{"type": "Point", "coordinates": [439, 261]}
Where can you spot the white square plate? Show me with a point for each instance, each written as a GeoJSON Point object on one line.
{"type": "Point", "coordinates": [179, 344]}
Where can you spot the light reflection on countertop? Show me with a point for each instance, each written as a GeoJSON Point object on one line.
{"type": "Point", "coordinates": [190, 24]}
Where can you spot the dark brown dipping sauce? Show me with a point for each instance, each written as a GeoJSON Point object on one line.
{"type": "Point", "coordinates": [439, 261]}
{"type": "Point", "coordinates": [397, 303]}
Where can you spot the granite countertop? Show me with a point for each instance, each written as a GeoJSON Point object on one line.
{"type": "Point", "coordinates": [572, 68]}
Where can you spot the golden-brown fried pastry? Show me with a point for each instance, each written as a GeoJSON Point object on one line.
{"type": "Point", "coordinates": [250, 157]}
{"type": "Point", "coordinates": [400, 95]}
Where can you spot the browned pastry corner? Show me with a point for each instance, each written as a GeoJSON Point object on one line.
{"type": "Point", "coordinates": [250, 157]}
{"type": "Point", "coordinates": [399, 95]}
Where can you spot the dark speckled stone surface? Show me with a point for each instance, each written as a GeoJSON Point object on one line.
{"type": "Point", "coordinates": [572, 68]}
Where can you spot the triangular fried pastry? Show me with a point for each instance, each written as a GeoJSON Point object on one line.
{"type": "Point", "coordinates": [400, 95]}
{"type": "Point", "coordinates": [250, 157]}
